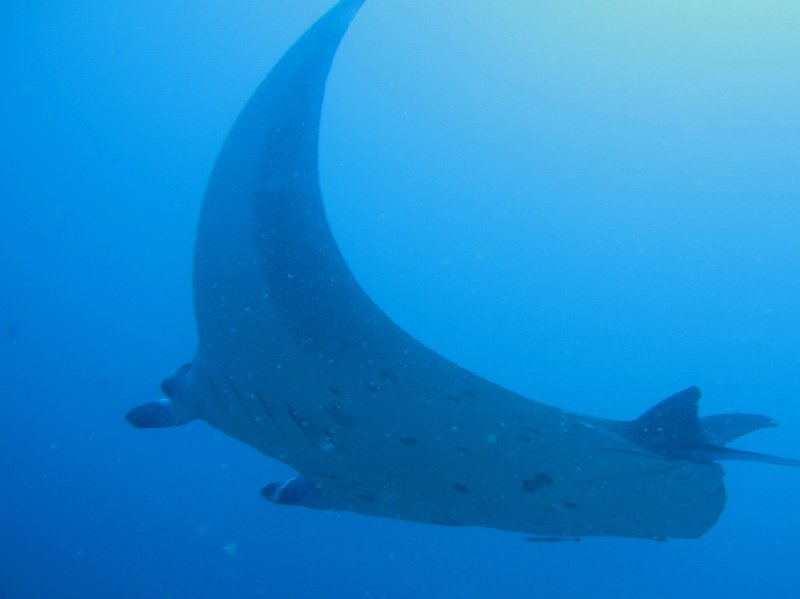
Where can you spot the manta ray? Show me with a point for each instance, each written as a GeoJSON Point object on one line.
{"type": "Point", "coordinates": [295, 360]}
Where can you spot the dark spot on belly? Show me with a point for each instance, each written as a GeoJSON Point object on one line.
{"type": "Point", "coordinates": [411, 441]}
{"type": "Point", "coordinates": [541, 480]}
{"type": "Point", "coordinates": [544, 478]}
{"type": "Point", "coordinates": [373, 387]}
{"type": "Point", "coordinates": [454, 398]}
{"type": "Point", "coordinates": [388, 374]}
{"type": "Point", "coordinates": [525, 438]}
{"type": "Point", "coordinates": [458, 487]}
{"type": "Point", "coordinates": [468, 393]}
{"type": "Point", "coordinates": [334, 391]}
{"type": "Point", "coordinates": [569, 504]}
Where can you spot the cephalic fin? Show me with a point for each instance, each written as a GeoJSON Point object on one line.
{"type": "Point", "coordinates": [300, 491]}
{"type": "Point", "coordinates": [159, 414]}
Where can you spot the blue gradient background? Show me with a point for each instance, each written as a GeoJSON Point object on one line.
{"type": "Point", "coordinates": [595, 204]}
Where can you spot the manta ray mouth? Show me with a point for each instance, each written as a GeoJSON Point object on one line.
{"type": "Point", "coordinates": [296, 360]}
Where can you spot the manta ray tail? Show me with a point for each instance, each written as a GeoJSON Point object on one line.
{"type": "Point", "coordinates": [721, 429]}
{"type": "Point", "coordinates": [673, 429]}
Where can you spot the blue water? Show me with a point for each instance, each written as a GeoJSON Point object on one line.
{"type": "Point", "coordinates": [595, 204]}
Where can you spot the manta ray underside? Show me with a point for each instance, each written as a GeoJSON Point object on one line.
{"type": "Point", "coordinates": [295, 360]}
